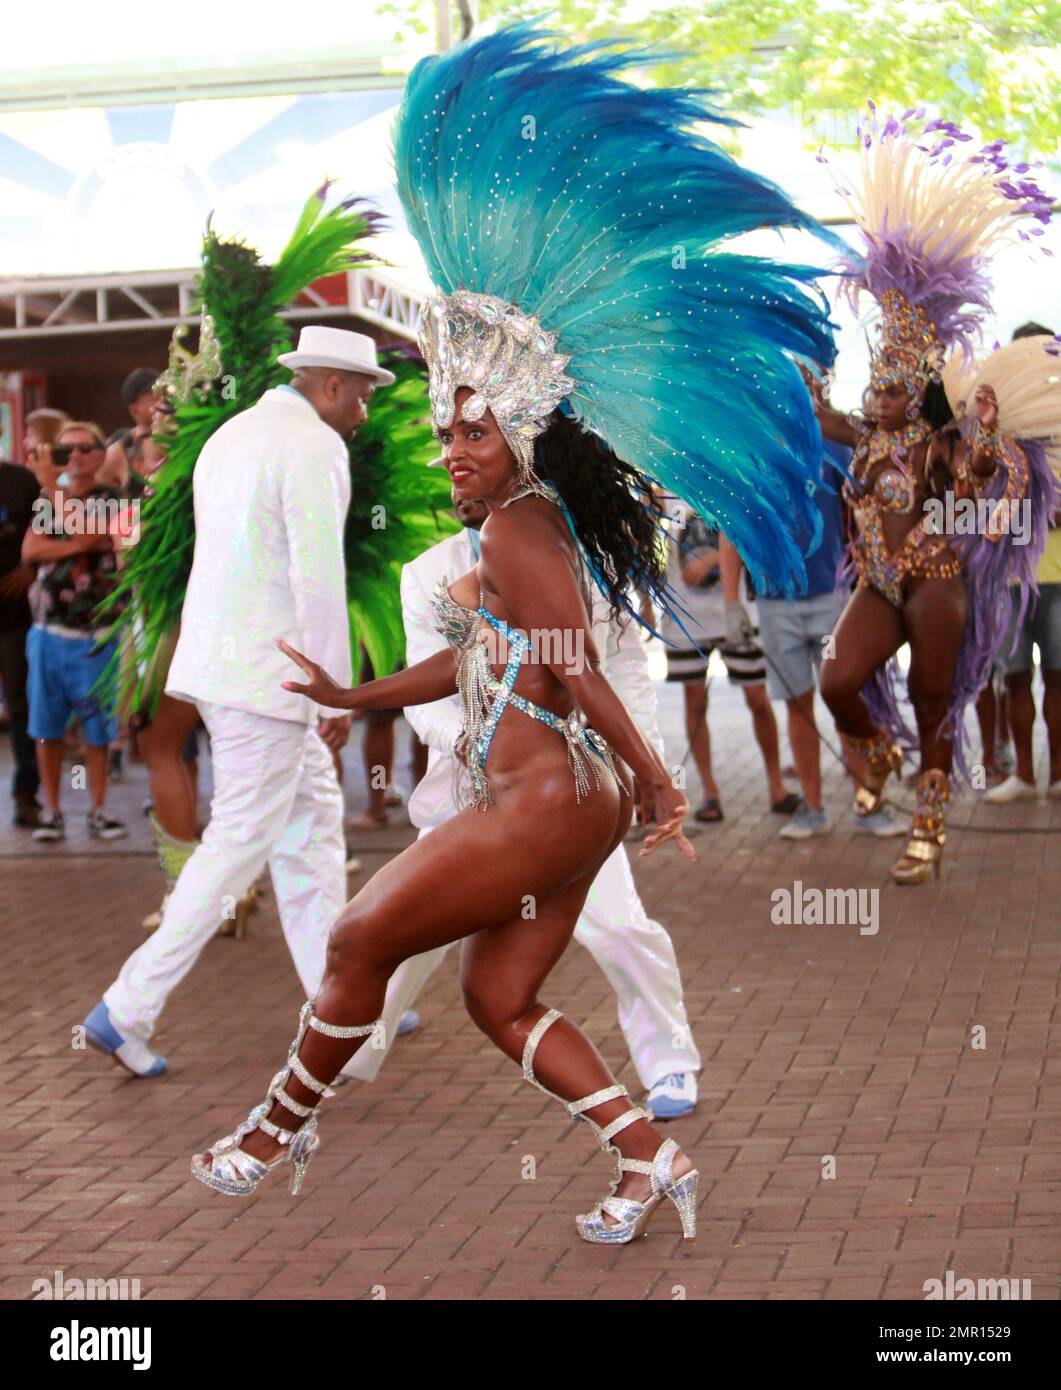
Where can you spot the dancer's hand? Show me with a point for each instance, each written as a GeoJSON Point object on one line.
{"type": "Point", "coordinates": [644, 803]}
{"type": "Point", "coordinates": [986, 404]}
{"type": "Point", "coordinates": [669, 812]}
{"type": "Point", "coordinates": [320, 687]}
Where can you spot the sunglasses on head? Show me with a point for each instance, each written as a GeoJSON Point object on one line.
{"type": "Point", "coordinates": [61, 453]}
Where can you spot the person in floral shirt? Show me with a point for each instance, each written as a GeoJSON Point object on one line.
{"type": "Point", "coordinates": [72, 546]}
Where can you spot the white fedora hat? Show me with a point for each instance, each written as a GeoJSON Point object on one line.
{"type": "Point", "coordinates": [338, 348]}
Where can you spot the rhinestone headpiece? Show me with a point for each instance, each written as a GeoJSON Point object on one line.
{"type": "Point", "coordinates": [188, 371]}
{"type": "Point", "coordinates": [909, 350]}
{"type": "Point", "coordinates": [506, 358]}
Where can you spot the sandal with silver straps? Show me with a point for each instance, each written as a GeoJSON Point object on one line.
{"type": "Point", "coordinates": [236, 1173]}
{"type": "Point", "coordinates": [629, 1217]}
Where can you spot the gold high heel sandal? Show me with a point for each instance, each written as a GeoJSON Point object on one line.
{"type": "Point", "coordinates": [629, 1217]}
{"type": "Point", "coordinates": [877, 758]}
{"type": "Point", "coordinates": [923, 854]}
{"type": "Point", "coordinates": [236, 1173]}
{"type": "Point", "coordinates": [236, 926]}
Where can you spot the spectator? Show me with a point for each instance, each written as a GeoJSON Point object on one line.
{"type": "Point", "coordinates": [694, 576]}
{"type": "Point", "coordinates": [66, 654]}
{"type": "Point", "coordinates": [43, 428]}
{"type": "Point", "coordinates": [125, 447]}
{"type": "Point", "coordinates": [18, 492]}
{"type": "Point", "coordinates": [1042, 628]}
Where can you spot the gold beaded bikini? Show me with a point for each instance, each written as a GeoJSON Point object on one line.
{"type": "Point", "coordinates": [921, 554]}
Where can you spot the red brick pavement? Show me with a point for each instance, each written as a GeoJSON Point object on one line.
{"type": "Point", "coordinates": [817, 1040]}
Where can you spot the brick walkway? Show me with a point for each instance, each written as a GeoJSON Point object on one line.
{"type": "Point", "coordinates": [817, 1041]}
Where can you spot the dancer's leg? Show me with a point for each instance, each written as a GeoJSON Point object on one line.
{"type": "Point", "coordinates": [172, 790]}
{"type": "Point", "coordinates": [402, 988]}
{"type": "Point", "coordinates": [503, 970]}
{"type": "Point", "coordinates": [422, 900]}
{"type": "Point", "coordinates": [935, 622]}
{"type": "Point", "coordinates": [870, 631]}
{"type": "Point", "coordinates": [637, 958]}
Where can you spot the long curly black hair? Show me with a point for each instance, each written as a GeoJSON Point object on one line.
{"type": "Point", "coordinates": [612, 506]}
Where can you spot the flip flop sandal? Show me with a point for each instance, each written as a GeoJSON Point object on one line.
{"type": "Point", "coordinates": [787, 806]}
{"type": "Point", "coordinates": [710, 811]}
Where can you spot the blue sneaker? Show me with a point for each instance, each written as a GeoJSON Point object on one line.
{"type": "Point", "coordinates": [408, 1021]}
{"type": "Point", "coordinates": [672, 1096]}
{"type": "Point", "coordinates": [883, 823]}
{"type": "Point", "coordinates": [133, 1055]}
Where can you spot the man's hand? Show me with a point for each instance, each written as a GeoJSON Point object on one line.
{"type": "Point", "coordinates": [17, 582]}
{"type": "Point", "coordinates": [739, 630]}
{"type": "Point", "coordinates": [334, 731]}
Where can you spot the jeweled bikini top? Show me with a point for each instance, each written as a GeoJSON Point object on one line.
{"type": "Point", "coordinates": [894, 488]}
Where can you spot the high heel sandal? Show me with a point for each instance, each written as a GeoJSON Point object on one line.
{"type": "Point", "coordinates": [923, 854]}
{"type": "Point", "coordinates": [878, 757]}
{"type": "Point", "coordinates": [629, 1217]}
{"type": "Point", "coordinates": [236, 926]}
{"type": "Point", "coordinates": [236, 1173]}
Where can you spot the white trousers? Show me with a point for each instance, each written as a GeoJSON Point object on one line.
{"type": "Point", "coordinates": [636, 956]}
{"type": "Point", "coordinates": [277, 801]}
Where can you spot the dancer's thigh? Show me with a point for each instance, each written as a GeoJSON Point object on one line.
{"type": "Point", "coordinates": [935, 617]}
{"type": "Point", "coordinates": [478, 870]}
{"type": "Point", "coordinates": [503, 967]}
{"type": "Point", "coordinates": [869, 631]}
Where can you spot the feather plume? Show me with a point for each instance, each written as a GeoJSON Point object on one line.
{"type": "Point", "coordinates": [536, 173]}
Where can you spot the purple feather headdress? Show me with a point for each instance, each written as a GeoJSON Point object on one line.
{"type": "Point", "coordinates": [931, 208]}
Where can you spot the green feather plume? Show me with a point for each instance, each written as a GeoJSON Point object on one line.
{"type": "Point", "coordinates": [398, 508]}
{"type": "Point", "coordinates": [243, 296]}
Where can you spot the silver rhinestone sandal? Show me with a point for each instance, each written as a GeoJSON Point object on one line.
{"type": "Point", "coordinates": [236, 1173]}
{"type": "Point", "coordinates": [629, 1217]}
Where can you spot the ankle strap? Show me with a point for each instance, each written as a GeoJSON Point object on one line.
{"type": "Point", "coordinates": [597, 1098]}
{"type": "Point", "coordinates": [534, 1037]}
{"type": "Point", "coordinates": [337, 1030]}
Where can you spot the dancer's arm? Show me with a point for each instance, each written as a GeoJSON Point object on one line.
{"type": "Point", "coordinates": [833, 424]}
{"type": "Point", "coordinates": [416, 685]}
{"type": "Point", "coordinates": [537, 583]}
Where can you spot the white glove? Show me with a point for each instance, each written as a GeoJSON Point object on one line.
{"type": "Point", "coordinates": [739, 629]}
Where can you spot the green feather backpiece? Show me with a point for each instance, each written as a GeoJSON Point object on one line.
{"type": "Point", "coordinates": [243, 296]}
{"type": "Point", "coordinates": [399, 507]}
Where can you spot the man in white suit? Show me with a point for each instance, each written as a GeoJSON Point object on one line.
{"type": "Point", "coordinates": [272, 488]}
{"type": "Point", "coordinates": [634, 952]}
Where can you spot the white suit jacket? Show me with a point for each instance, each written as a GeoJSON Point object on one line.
{"type": "Point", "coordinates": [272, 487]}
{"type": "Point", "coordinates": [624, 662]}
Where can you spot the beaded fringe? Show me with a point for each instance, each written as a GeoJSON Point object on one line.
{"type": "Point", "coordinates": [474, 678]}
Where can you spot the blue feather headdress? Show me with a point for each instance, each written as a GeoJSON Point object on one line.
{"type": "Point", "coordinates": [533, 174]}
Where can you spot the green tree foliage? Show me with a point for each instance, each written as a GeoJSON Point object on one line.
{"type": "Point", "coordinates": [987, 64]}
